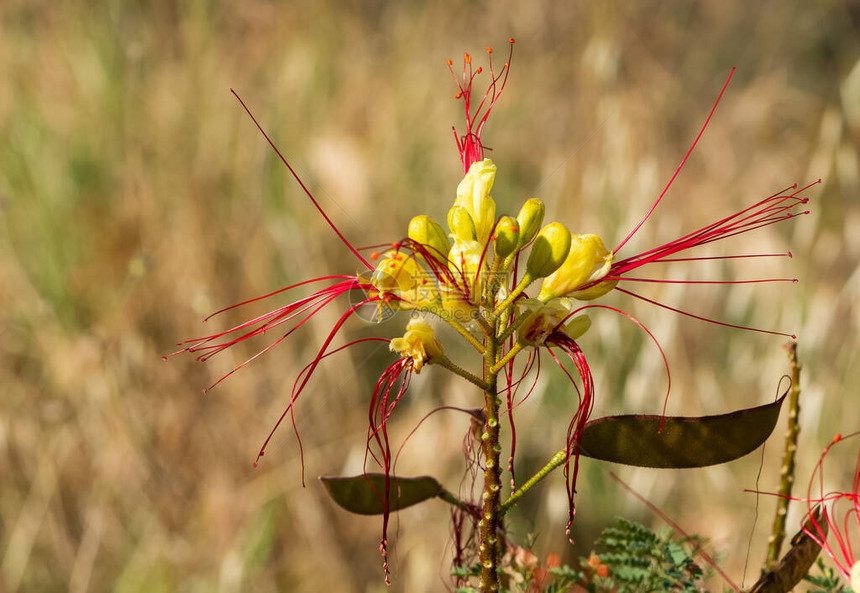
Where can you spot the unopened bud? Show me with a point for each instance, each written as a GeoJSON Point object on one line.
{"type": "Point", "coordinates": [530, 218]}
{"type": "Point", "coordinates": [549, 250]}
{"type": "Point", "coordinates": [507, 236]}
{"type": "Point", "coordinates": [461, 224]}
{"type": "Point", "coordinates": [587, 262]}
{"type": "Point", "coordinates": [428, 232]}
{"type": "Point", "coordinates": [577, 326]}
{"type": "Point", "coordinates": [473, 193]}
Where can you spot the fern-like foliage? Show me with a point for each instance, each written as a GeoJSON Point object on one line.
{"type": "Point", "coordinates": [632, 559]}
{"type": "Point", "coordinates": [828, 582]}
{"type": "Point", "coordinates": [641, 560]}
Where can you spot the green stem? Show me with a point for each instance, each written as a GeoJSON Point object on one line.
{"type": "Point", "coordinates": [524, 283]}
{"type": "Point", "coordinates": [777, 534]}
{"type": "Point", "coordinates": [453, 500]}
{"type": "Point", "coordinates": [459, 327]}
{"type": "Point", "coordinates": [556, 461]}
{"type": "Point", "coordinates": [507, 358]}
{"type": "Point", "coordinates": [444, 361]}
{"type": "Point", "coordinates": [513, 327]}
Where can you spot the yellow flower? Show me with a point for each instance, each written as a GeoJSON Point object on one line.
{"type": "Point", "coordinates": [399, 275]}
{"type": "Point", "coordinates": [473, 194]}
{"type": "Point", "coordinates": [418, 343]}
{"type": "Point", "coordinates": [586, 262]}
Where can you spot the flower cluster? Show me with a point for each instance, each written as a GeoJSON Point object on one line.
{"type": "Point", "coordinates": [476, 276]}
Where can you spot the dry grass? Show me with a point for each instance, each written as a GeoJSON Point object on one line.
{"type": "Point", "coordinates": [135, 197]}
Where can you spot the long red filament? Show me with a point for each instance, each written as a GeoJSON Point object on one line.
{"type": "Point", "coordinates": [681, 166]}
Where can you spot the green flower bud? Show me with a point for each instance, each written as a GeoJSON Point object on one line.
{"type": "Point", "coordinates": [428, 232]}
{"type": "Point", "coordinates": [587, 262]}
{"type": "Point", "coordinates": [549, 250]}
{"type": "Point", "coordinates": [577, 326]}
{"type": "Point", "coordinates": [461, 224]}
{"type": "Point", "coordinates": [530, 219]}
{"type": "Point", "coordinates": [507, 236]}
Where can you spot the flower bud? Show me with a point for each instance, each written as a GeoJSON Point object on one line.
{"type": "Point", "coordinates": [507, 236]}
{"type": "Point", "coordinates": [549, 250]}
{"type": "Point", "coordinates": [530, 219]}
{"type": "Point", "coordinates": [418, 343]}
{"type": "Point", "coordinates": [587, 262]}
{"type": "Point", "coordinates": [577, 326]}
{"type": "Point", "coordinates": [473, 194]}
{"type": "Point", "coordinates": [428, 232]}
{"type": "Point", "coordinates": [461, 224]}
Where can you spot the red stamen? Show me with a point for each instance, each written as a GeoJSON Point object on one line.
{"type": "Point", "coordinates": [708, 319]}
{"type": "Point", "coordinates": [643, 327]}
{"type": "Point", "coordinates": [681, 166]}
{"type": "Point", "coordinates": [469, 145]}
{"type": "Point", "coordinates": [298, 179]}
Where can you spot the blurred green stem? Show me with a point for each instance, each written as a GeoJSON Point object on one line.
{"type": "Point", "coordinates": [777, 534]}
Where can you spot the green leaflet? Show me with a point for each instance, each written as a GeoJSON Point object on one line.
{"type": "Point", "coordinates": [365, 494]}
{"type": "Point", "coordinates": [683, 441]}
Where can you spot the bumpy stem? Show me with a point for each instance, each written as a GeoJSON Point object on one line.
{"type": "Point", "coordinates": [491, 516]}
{"type": "Point", "coordinates": [777, 534]}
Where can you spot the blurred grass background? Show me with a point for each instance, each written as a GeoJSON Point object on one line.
{"type": "Point", "coordinates": [136, 197]}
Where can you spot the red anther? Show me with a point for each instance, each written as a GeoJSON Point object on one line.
{"type": "Point", "coordinates": [450, 63]}
{"type": "Point", "coordinates": [467, 58]}
{"type": "Point", "coordinates": [374, 255]}
{"type": "Point", "coordinates": [506, 65]}
{"type": "Point", "coordinates": [479, 70]}
{"type": "Point", "coordinates": [837, 437]}
{"type": "Point", "coordinates": [489, 50]}
{"type": "Point", "coordinates": [458, 94]}
{"type": "Point", "coordinates": [396, 245]}
{"type": "Point", "coordinates": [255, 464]}
{"type": "Point", "coordinates": [510, 39]}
